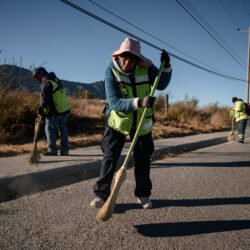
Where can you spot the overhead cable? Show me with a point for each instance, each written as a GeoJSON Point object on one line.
{"type": "Point", "coordinates": [150, 34]}
{"type": "Point", "coordinates": [247, 9]}
{"type": "Point", "coordinates": [215, 34]}
{"type": "Point", "coordinates": [229, 15]}
{"type": "Point", "coordinates": [144, 41]}
{"type": "Point", "coordinates": [208, 28]}
{"type": "Point", "coordinates": [212, 30]}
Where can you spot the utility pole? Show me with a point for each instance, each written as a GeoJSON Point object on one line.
{"type": "Point", "coordinates": [248, 64]}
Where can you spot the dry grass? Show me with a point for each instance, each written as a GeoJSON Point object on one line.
{"type": "Point", "coordinates": [86, 121]}
{"type": "Point", "coordinates": [18, 114]}
{"type": "Point", "coordinates": [189, 117]}
{"type": "Point", "coordinates": [91, 108]}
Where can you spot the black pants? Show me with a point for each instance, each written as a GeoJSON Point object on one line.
{"type": "Point", "coordinates": [241, 127]}
{"type": "Point", "coordinates": [112, 145]}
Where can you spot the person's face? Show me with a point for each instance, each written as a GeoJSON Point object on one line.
{"type": "Point", "coordinates": [39, 77]}
{"type": "Point", "coordinates": [127, 61]}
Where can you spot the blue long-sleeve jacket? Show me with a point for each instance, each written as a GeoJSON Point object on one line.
{"type": "Point", "coordinates": [114, 97]}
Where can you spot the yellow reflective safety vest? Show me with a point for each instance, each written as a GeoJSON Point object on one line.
{"type": "Point", "coordinates": [239, 111]}
{"type": "Point", "coordinates": [61, 103]}
{"type": "Point", "coordinates": [140, 87]}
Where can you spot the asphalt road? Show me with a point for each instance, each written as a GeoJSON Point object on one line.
{"type": "Point", "coordinates": [201, 201]}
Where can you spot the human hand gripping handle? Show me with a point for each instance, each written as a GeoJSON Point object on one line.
{"type": "Point", "coordinates": [146, 102]}
{"type": "Point", "coordinates": [165, 58]}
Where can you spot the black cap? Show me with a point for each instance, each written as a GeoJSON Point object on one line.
{"type": "Point", "coordinates": [234, 99]}
{"type": "Point", "coordinates": [37, 71]}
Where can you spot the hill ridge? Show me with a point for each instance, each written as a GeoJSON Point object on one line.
{"type": "Point", "coordinates": [13, 77]}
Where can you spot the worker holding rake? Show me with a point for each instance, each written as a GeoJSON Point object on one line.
{"type": "Point", "coordinates": [128, 81]}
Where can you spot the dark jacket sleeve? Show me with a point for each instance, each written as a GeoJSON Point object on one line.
{"type": "Point", "coordinates": [46, 95]}
{"type": "Point", "coordinates": [164, 79]}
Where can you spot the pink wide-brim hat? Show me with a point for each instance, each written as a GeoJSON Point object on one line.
{"type": "Point", "coordinates": [134, 47]}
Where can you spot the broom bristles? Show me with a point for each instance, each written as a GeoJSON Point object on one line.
{"type": "Point", "coordinates": [231, 136]}
{"type": "Point", "coordinates": [34, 156]}
{"type": "Point", "coordinates": [106, 211]}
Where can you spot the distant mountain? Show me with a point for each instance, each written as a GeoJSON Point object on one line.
{"type": "Point", "coordinates": [17, 78]}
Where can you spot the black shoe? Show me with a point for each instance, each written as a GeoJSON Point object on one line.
{"type": "Point", "coordinates": [64, 153]}
{"type": "Point", "coordinates": [241, 141]}
{"type": "Point", "coordinates": [50, 154]}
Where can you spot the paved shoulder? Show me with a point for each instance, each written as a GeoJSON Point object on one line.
{"type": "Point", "coordinates": [17, 177]}
{"type": "Point", "coordinates": [201, 201]}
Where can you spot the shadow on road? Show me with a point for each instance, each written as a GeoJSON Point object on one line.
{"type": "Point", "coordinates": [191, 228]}
{"type": "Point", "coordinates": [201, 202]}
{"type": "Point", "coordinates": [17, 186]}
{"type": "Point", "coordinates": [201, 164]}
{"type": "Point", "coordinates": [122, 208]}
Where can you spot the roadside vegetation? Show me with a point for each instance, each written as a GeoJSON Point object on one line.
{"type": "Point", "coordinates": [86, 121]}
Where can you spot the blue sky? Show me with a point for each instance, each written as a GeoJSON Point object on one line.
{"type": "Point", "coordinates": [78, 48]}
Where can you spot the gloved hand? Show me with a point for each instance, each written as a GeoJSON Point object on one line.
{"type": "Point", "coordinates": [146, 102]}
{"type": "Point", "coordinates": [165, 57]}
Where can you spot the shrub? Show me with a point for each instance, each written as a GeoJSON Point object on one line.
{"type": "Point", "coordinates": [18, 113]}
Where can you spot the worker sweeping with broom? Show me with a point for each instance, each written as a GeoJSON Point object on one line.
{"type": "Point", "coordinates": [55, 107]}
{"type": "Point", "coordinates": [239, 113]}
{"type": "Point", "coordinates": [128, 81]}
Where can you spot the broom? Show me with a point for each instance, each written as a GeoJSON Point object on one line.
{"type": "Point", "coordinates": [106, 211]}
{"type": "Point", "coordinates": [34, 156]}
{"type": "Point", "coordinates": [231, 136]}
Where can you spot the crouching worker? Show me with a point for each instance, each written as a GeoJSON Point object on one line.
{"type": "Point", "coordinates": [55, 106]}
{"type": "Point", "coordinates": [240, 115]}
{"type": "Point", "coordinates": [128, 81]}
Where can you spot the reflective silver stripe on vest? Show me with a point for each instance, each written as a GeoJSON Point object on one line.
{"type": "Point", "coordinates": [147, 125]}
{"type": "Point", "coordinates": [143, 78]}
{"type": "Point", "coordinates": [121, 78]}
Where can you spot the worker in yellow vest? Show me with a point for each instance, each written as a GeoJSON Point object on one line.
{"type": "Point", "coordinates": [128, 80]}
{"type": "Point", "coordinates": [55, 107]}
{"type": "Point", "coordinates": [240, 115]}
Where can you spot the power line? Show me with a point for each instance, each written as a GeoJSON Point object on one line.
{"type": "Point", "coordinates": [153, 36]}
{"type": "Point", "coordinates": [208, 28]}
{"type": "Point", "coordinates": [212, 30]}
{"type": "Point", "coordinates": [144, 41]}
{"type": "Point", "coordinates": [244, 3]}
{"type": "Point", "coordinates": [122, 12]}
{"type": "Point", "coordinates": [229, 15]}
